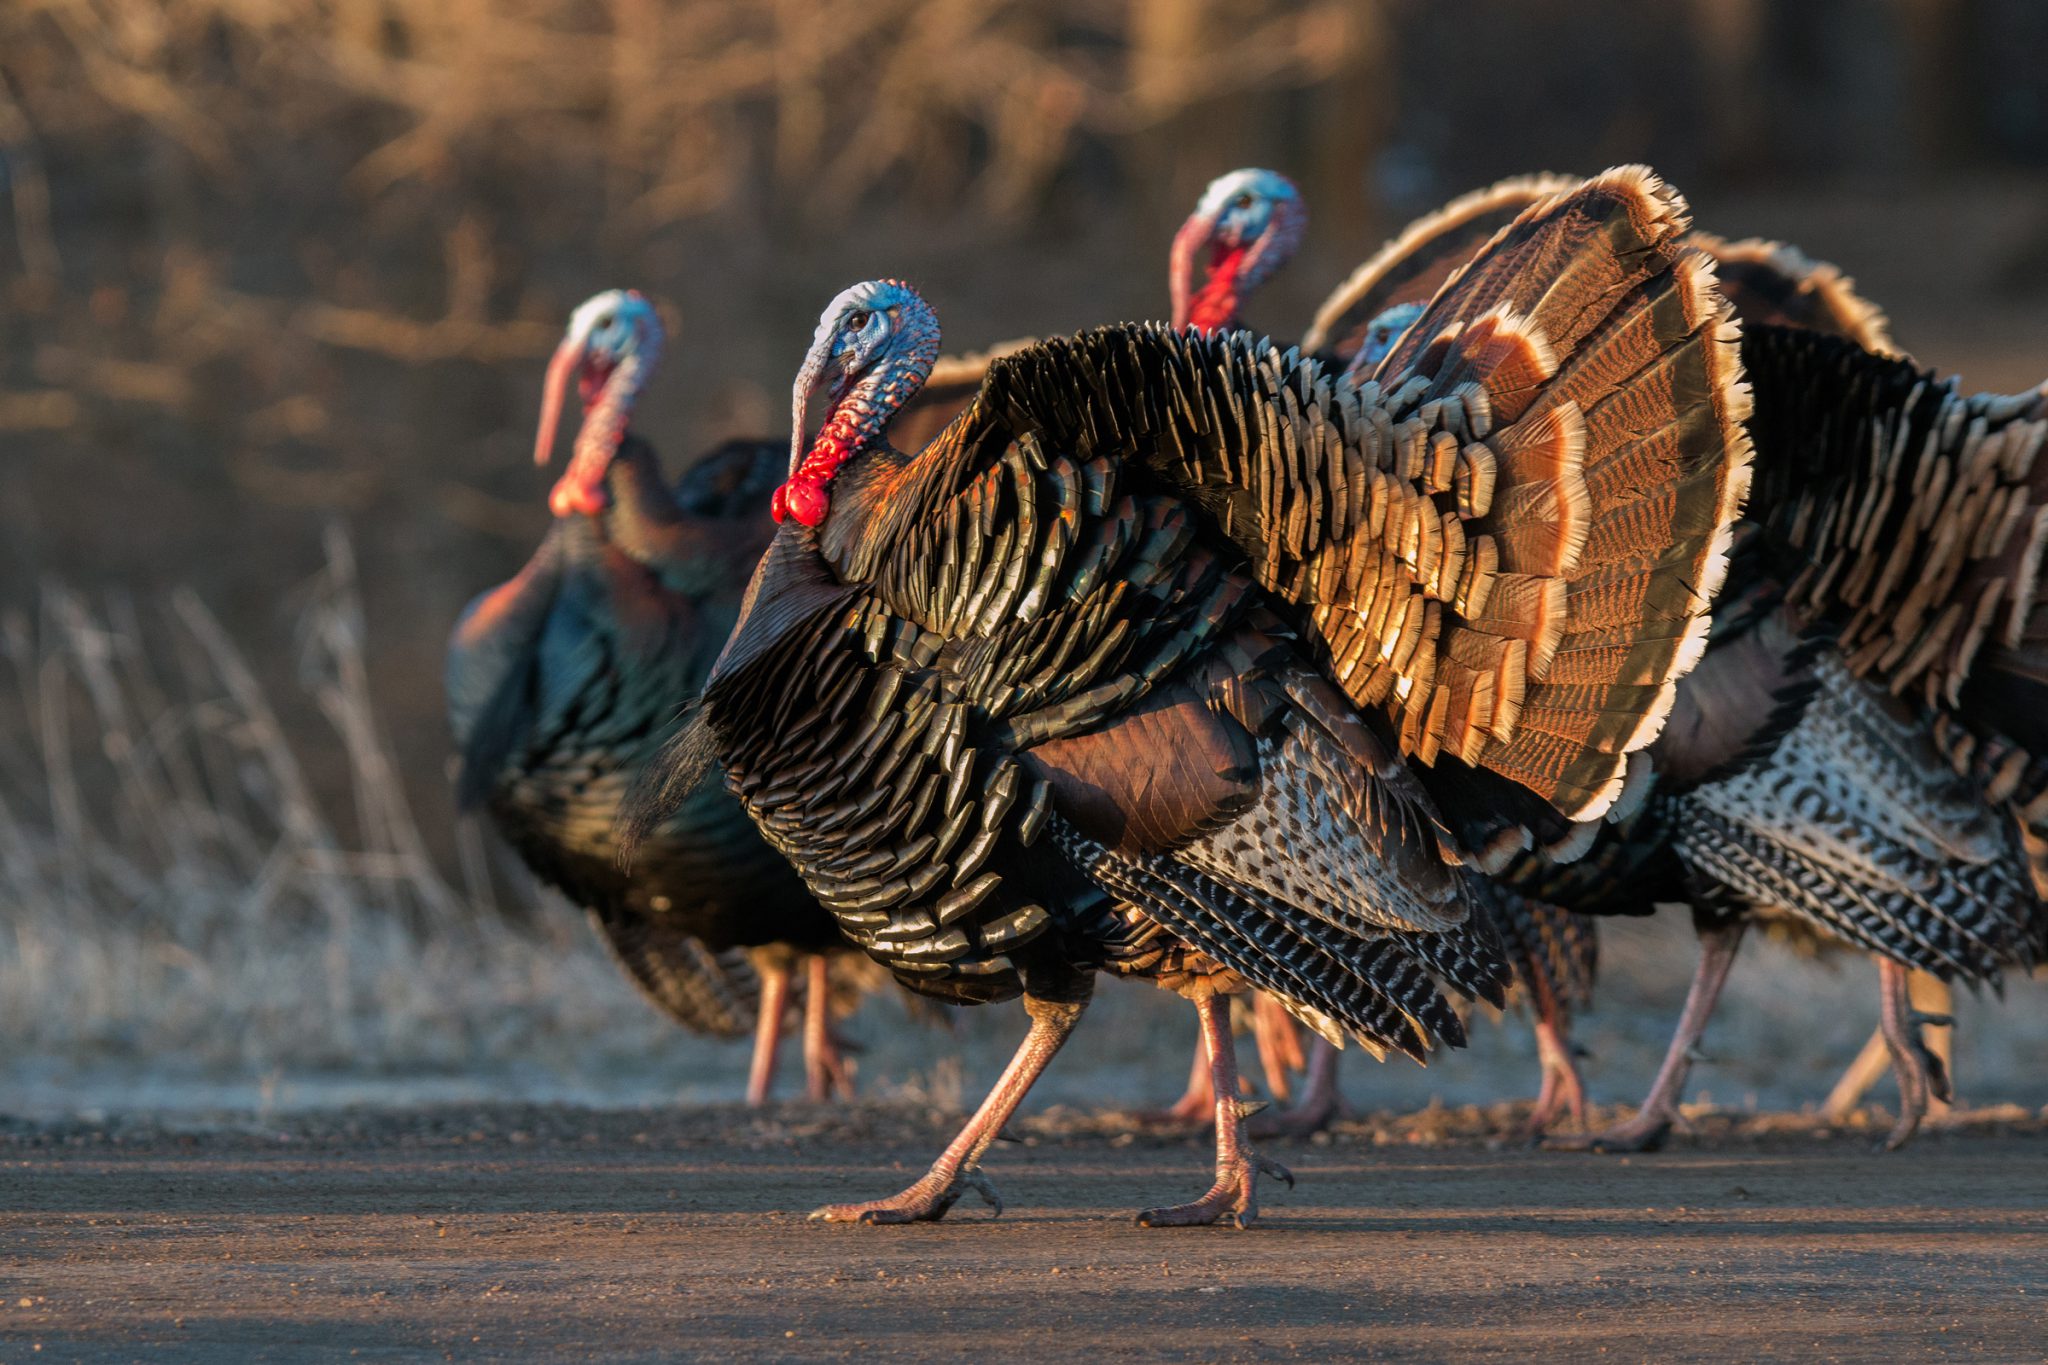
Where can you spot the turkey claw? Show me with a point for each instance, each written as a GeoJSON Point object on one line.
{"type": "Point", "coordinates": [1234, 1198]}
{"type": "Point", "coordinates": [1646, 1132]}
{"type": "Point", "coordinates": [927, 1201]}
{"type": "Point", "coordinates": [974, 1180]}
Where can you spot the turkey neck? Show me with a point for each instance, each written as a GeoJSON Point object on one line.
{"type": "Point", "coordinates": [871, 499]}
{"type": "Point", "coordinates": [690, 554]}
{"type": "Point", "coordinates": [1214, 306]}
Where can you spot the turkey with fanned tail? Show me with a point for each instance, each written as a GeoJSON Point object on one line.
{"type": "Point", "coordinates": [1856, 812]}
{"type": "Point", "coordinates": [1172, 656]}
{"type": "Point", "coordinates": [1356, 327]}
{"type": "Point", "coordinates": [1247, 224]}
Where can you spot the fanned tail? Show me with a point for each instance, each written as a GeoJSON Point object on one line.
{"type": "Point", "coordinates": [1611, 461]}
{"type": "Point", "coordinates": [1411, 267]}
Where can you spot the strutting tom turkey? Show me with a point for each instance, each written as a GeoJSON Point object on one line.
{"type": "Point", "coordinates": [1246, 225]}
{"type": "Point", "coordinates": [1858, 814]}
{"type": "Point", "coordinates": [1173, 656]}
{"type": "Point", "coordinates": [1554, 949]}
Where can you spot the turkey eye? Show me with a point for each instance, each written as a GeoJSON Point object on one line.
{"type": "Point", "coordinates": [1243, 201]}
{"type": "Point", "coordinates": [857, 319]}
{"type": "Point", "coordinates": [604, 323]}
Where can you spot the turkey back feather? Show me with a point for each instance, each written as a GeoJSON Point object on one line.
{"type": "Point", "coordinates": [1909, 514]}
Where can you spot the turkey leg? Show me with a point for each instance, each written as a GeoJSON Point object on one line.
{"type": "Point", "coordinates": [1279, 1043]}
{"type": "Point", "coordinates": [1927, 993]}
{"type": "Point", "coordinates": [958, 1168]}
{"type": "Point", "coordinates": [1319, 1103]}
{"type": "Point", "coordinates": [1279, 1040]}
{"type": "Point", "coordinates": [767, 1033]}
{"type": "Point", "coordinates": [827, 1072]}
{"type": "Point", "coordinates": [1238, 1167]}
{"type": "Point", "coordinates": [1652, 1123]}
{"type": "Point", "coordinates": [1563, 1087]}
{"type": "Point", "coordinates": [1919, 1070]}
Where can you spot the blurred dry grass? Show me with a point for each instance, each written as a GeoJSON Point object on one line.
{"type": "Point", "coordinates": [173, 887]}
{"type": "Point", "coordinates": [984, 98]}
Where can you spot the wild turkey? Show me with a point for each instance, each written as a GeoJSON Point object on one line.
{"type": "Point", "coordinates": [1769, 283]}
{"type": "Point", "coordinates": [1245, 227]}
{"type": "Point", "coordinates": [563, 681]}
{"type": "Point", "coordinates": [1249, 223]}
{"type": "Point", "coordinates": [1173, 658]}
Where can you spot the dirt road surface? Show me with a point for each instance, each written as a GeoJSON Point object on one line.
{"type": "Point", "coordinates": [524, 1233]}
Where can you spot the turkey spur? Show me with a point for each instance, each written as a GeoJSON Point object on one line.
{"type": "Point", "coordinates": [1174, 656]}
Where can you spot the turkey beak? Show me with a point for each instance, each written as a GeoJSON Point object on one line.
{"type": "Point", "coordinates": [822, 373]}
{"type": "Point", "coordinates": [807, 380]}
{"type": "Point", "coordinates": [562, 372]}
{"type": "Point", "coordinates": [1194, 234]}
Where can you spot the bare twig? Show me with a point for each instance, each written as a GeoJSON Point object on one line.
{"type": "Point", "coordinates": [28, 189]}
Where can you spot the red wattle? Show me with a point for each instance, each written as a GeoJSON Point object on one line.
{"type": "Point", "coordinates": [802, 498]}
{"type": "Point", "coordinates": [572, 496]}
{"type": "Point", "coordinates": [1214, 306]}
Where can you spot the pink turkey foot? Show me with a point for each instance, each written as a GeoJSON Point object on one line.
{"type": "Point", "coordinates": [1929, 995]}
{"type": "Point", "coordinates": [1652, 1123]}
{"type": "Point", "coordinates": [1320, 1103]}
{"type": "Point", "coordinates": [1920, 1072]}
{"type": "Point", "coordinates": [1279, 1041]}
{"type": "Point", "coordinates": [1197, 1104]}
{"type": "Point", "coordinates": [767, 1034]}
{"type": "Point", "coordinates": [1563, 1087]}
{"type": "Point", "coordinates": [1238, 1167]}
{"type": "Point", "coordinates": [927, 1201]}
{"type": "Point", "coordinates": [828, 1072]}
{"type": "Point", "coordinates": [958, 1168]}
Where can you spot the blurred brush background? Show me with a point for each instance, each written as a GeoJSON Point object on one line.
{"type": "Point", "coordinates": [277, 279]}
